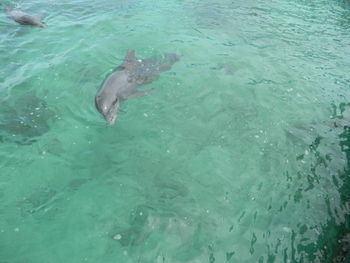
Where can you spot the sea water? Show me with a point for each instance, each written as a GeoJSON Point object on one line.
{"type": "Point", "coordinates": [239, 155]}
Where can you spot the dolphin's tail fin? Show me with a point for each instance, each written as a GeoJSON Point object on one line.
{"type": "Point", "coordinates": [168, 59]}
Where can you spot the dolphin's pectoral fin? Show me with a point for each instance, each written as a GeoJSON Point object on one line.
{"type": "Point", "coordinates": [136, 94]}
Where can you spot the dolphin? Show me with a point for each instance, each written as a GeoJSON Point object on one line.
{"type": "Point", "coordinates": [22, 17]}
{"type": "Point", "coordinates": [123, 82]}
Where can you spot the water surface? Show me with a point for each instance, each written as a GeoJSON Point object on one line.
{"type": "Point", "coordinates": [233, 158]}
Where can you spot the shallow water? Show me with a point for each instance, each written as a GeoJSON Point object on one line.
{"type": "Point", "coordinates": [233, 158]}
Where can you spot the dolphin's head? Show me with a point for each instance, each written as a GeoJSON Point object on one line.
{"type": "Point", "coordinates": [108, 111]}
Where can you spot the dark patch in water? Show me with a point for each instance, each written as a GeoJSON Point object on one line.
{"type": "Point", "coordinates": [210, 14]}
{"type": "Point", "coordinates": [24, 119]}
{"type": "Point", "coordinates": [328, 146]}
{"type": "Point", "coordinates": [38, 201]}
{"type": "Point", "coordinates": [227, 67]}
{"type": "Point", "coordinates": [44, 201]}
{"type": "Point", "coordinates": [343, 255]}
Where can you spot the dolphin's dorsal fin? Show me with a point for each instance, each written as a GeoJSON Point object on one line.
{"type": "Point", "coordinates": [130, 56]}
{"type": "Point", "coordinates": [130, 60]}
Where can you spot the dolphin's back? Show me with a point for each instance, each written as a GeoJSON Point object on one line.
{"type": "Point", "coordinates": [149, 70]}
{"type": "Point", "coordinates": [22, 18]}
{"type": "Point", "coordinates": [26, 20]}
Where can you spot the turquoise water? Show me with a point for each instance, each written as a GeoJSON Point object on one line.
{"type": "Point", "coordinates": [233, 158]}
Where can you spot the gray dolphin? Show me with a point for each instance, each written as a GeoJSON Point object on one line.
{"type": "Point", "coordinates": [125, 79]}
{"type": "Point", "coordinates": [22, 17]}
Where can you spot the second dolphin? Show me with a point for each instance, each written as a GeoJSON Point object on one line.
{"type": "Point", "coordinates": [23, 18]}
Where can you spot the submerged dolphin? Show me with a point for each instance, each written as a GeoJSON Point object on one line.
{"type": "Point", "coordinates": [23, 18]}
{"type": "Point", "coordinates": [126, 78]}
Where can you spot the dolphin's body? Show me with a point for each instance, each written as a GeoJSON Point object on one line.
{"type": "Point", "coordinates": [23, 18]}
{"type": "Point", "coordinates": [124, 81]}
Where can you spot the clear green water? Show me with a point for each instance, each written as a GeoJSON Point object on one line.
{"type": "Point", "coordinates": [233, 158]}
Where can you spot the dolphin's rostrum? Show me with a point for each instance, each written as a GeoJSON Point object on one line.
{"type": "Point", "coordinates": [122, 84]}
